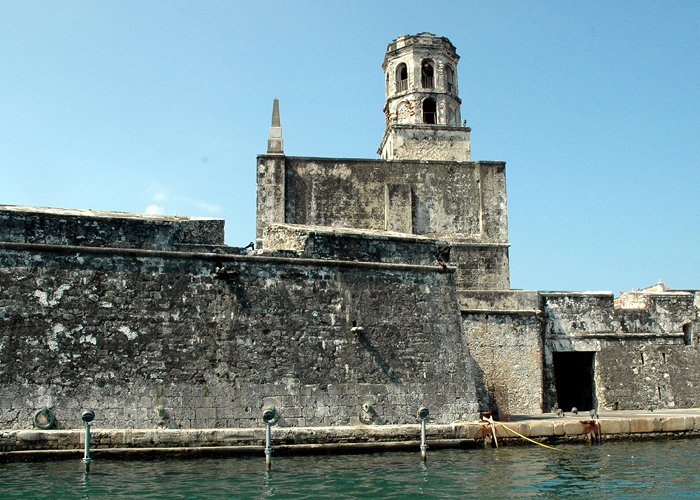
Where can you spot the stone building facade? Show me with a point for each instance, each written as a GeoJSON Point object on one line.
{"type": "Point", "coordinates": [376, 286]}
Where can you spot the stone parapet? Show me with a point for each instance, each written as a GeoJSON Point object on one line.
{"type": "Point", "coordinates": [94, 228]}
{"type": "Point", "coordinates": [355, 245]}
{"type": "Point", "coordinates": [499, 300]}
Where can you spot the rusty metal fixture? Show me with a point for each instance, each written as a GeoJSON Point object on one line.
{"type": "Point", "coordinates": [44, 419]}
{"type": "Point", "coordinates": [591, 428]}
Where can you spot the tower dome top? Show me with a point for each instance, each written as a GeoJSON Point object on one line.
{"type": "Point", "coordinates": [422, 41]}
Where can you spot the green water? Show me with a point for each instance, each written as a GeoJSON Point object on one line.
{"type": "Point", "coordinates": [661, 469]}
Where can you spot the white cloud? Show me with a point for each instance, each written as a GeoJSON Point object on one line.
{"type": "Point", "coordinates": [158, 193]}
{"type": "Point", "coordinates": [209, 207]}
{"type": "Point", "coordinates": [154, 210]}
{"type": "Point", "coordinates": [160, 196]}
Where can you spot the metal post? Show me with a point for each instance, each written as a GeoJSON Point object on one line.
{"type": "Point", "coordinates": [86, 458]}
{"type": "Point", "coordinates": [269, 418]}
{"type": "Point", "coordinates": [268, 446]}
{"type": "Point", "coordinates": [423, 413]}
{"type": "Point", "coordinates": [87, 417]}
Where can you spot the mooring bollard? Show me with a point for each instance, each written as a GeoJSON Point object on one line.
{"type": "Point", "coordinates": [487, 416]}
{"type": "Point", "coordinates": [269, 418]}
{"type": "Point", "coordinates": [88, 416]}
{"type": "Point", "coordinates": [423, 415]}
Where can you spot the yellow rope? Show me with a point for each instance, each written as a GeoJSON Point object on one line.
{"type": "Point", "coordinates": [531, 440]}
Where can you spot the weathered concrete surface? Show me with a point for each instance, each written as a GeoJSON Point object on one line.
{"type": "Point", "coordinates": [22, 444]}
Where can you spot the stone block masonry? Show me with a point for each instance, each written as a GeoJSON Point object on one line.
{"type": "Point", "coordinates": [94, 228]}
{"type": "Point", "coordinates": [626, 358]}
{"type": "Point", "coordinates": [215, 338]}
{"type": "Point", "coordinates": [462, 203]}
{"type": "Point", "coordinates": [644, 355]}
{"type": "Point", "coordinates": [354, 245]}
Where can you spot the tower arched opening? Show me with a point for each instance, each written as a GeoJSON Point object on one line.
{"type": "Point", "coordinates": [401, 77]}
{"type": "Point", "coordinates": [429, 111]}
{"type": "Point", "coordinates": [427, 72]}
{"type": "Point", "coordinates": [450, 80]}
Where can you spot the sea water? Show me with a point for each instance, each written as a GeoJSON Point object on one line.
{"type": "Point", "coordinates": [658, 469]}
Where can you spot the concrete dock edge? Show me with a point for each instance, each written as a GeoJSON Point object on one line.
{"type": "Point", "coordinates": [20, 445]}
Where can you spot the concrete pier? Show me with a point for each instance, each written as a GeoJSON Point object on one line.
{"type": "Point", "coordinates": [546, 428]}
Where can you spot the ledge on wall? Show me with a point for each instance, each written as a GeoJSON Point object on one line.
{"type": "Point", "coordinates": [366, 245]}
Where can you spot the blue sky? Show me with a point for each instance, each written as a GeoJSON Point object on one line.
{"type": "Point", "coordinates": [163, 106]}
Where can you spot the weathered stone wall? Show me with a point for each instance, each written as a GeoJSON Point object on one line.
{"type": "Point", "coordinates": [641, 356]}
{"type": "Point", "coordinates": [410, 142]}
{"type": "Point", "coordinates": [214, 339]}
{"type": "Point", "coordinates": [507, 348]}
{"type": "Point", "coordinates": [504, 331]}
{"type": "Point", "coordinates": [500, 300]}
{"type": "Point", "coordinates": [645, 357]}
{"type": "Point", "coordinates": [356, 245]}
{"type": "Point", "coordinates": [270, 194]}
{"type": "Point", "coordinates": [638, 374]}
{"type": "Point", "coordinates": [481, 267]}
{"type": "Point", "coordinates": [57, 226]}
{"type": "Point", "coordinates": [448, 198]}
{"type": "Point", "coordinates": [461, 202]}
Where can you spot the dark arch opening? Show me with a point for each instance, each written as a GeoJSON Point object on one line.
{"type": "Point", "coordinates": [401, 78]}
{"type": "Point", "coordinates": [429, 111]}
{"type": "Point", "coordinates": [427, 74]}
{"type": "Point", "coordinates": [688, 334]}
{"type": "Point", "coordinates": [574, 379]}
{"type": "Point", "coordinates": [450, 79]}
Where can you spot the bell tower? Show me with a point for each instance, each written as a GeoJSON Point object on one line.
{"type": "Point", "coordinates": [422, 109]}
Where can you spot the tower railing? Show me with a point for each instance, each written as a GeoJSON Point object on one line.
{"type": "Point", "coordinates": [401, 85]}
{"type": "Point", "coordinates": [428, 82]}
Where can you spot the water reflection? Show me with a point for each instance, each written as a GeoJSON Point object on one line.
{"type": "Point", "coordinates": [613, 470]}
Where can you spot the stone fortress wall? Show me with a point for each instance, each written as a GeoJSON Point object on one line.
{"type": "Point", "coordinates": [377, 286]}
{"type": "Point", "coordinates": [644, 355]}
{"type": "Point", "coordinates": [212, 338]}
{"type": "Point", "coordinates": [462, 203]}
